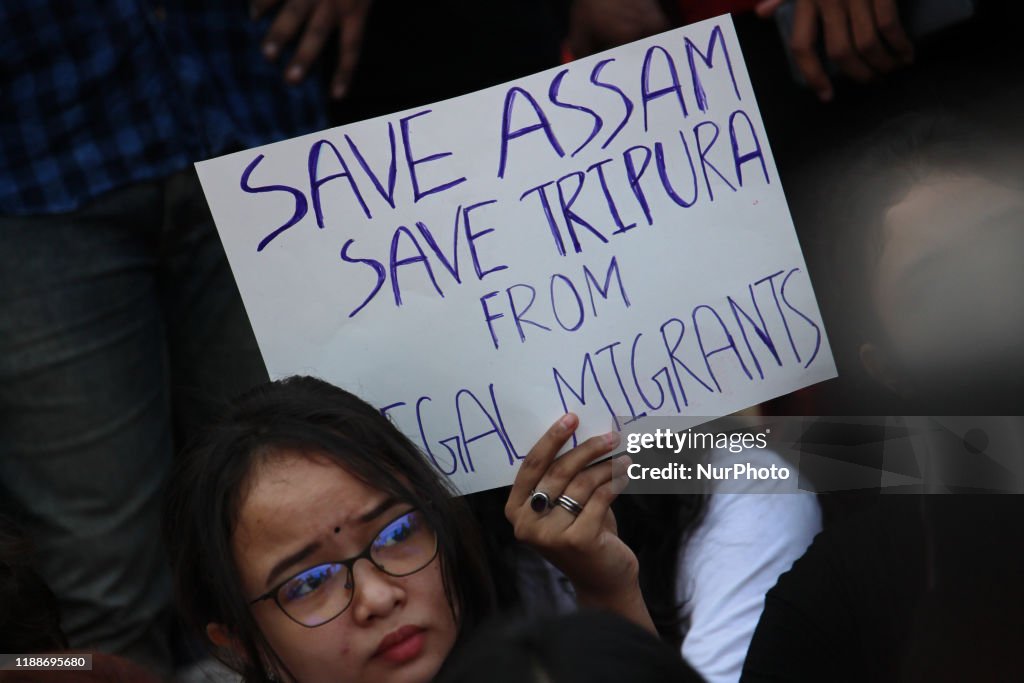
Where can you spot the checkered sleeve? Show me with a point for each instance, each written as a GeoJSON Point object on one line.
{"type": "Point", "coordinates": [98, 94]}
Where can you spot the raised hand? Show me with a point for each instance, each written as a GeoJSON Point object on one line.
{"type": "Point", "coordinates": [562, 507]}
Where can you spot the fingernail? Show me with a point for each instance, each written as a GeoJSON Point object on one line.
{"type": "Point", "coordinates": [620, 466]}
{"type": "Point", "coordinates": [338, 91]}
{"type": "Point", "coordinates": [294, 74]}
{"type": "Point", "coordinates": [269, 50]}
{"type": "Point", "coordinates": [611, 439]}
{"type": "Point", "coordinates": [565, 423]}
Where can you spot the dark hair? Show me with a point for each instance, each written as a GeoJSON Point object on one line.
{"type": "Point", "coordinates": [583, 647]}
{"type": "Point", "coordinates": [306, 415]}
{"type": "Point", "coordinates": [30, 619]}
{"type": "Point", "coordinates": [658, 528]}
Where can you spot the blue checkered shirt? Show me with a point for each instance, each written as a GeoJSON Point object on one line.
{"type": "Point", "coordinates": [98, 94]}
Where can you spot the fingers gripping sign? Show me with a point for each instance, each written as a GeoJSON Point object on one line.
{"type": "Point", "coordinates": [562, 507]}
{"type": "Point", "coordinates": [544, 477]}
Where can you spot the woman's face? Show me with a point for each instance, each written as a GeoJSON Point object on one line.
{"type": "Point", "coordinates": [303, 511]}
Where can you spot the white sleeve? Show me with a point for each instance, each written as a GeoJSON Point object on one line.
{"type": "Point", "coordinates": [742, 545]}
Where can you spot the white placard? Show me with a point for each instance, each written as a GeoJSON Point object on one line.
{"type": "Point", "coordinates": [609, 238]}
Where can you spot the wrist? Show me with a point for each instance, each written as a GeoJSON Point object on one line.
{"type": "Point", "coordinates": [626, 601]}
{"type": "Point", "coordinates": [609, 588]}
{"type": "Point", "coordinates": [595, 598]}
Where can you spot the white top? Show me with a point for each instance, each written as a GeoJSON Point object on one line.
{"type": "Point", "coordinates": [736, 554]}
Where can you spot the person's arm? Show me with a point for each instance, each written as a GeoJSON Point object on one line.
{"type": "Point", "coordinates": [585, 545]}
{"type": "Point", "coordinates": [843, 612]}
{"type": "Point", "coordinates": [743, 544]}
{"type": "Point", "coordinates": [807, 630]}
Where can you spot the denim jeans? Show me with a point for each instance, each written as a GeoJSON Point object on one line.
{"type": "Point", "coordinates": [120, 329]}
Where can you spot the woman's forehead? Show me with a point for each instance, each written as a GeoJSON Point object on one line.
{"type": "Point", "coordinates": [293, 494]}
{"type": "Point", "coordinates": [935, 217]}
{"type": "Point", "coordinates": [946, 267]}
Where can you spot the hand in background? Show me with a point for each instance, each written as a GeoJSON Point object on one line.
{"type": "Point", "coordinates": [596, 25]}
{"type": "Point", "coordinates": [864, 37]}
{"type": "Point", "coordinates": [312, 23]}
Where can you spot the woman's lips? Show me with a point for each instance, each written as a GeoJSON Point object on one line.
{"type": "Point", "coordinates": [401, 645]}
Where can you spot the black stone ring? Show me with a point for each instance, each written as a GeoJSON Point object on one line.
{"type": "Point", "coordinates": [540, 502]}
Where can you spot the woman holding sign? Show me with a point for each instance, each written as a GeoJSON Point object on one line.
{"type": "Point", "coordinates": [269, 517]}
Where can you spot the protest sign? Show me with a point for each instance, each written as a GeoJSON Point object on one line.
{"type": "Point", "coordinates": [609, 238]}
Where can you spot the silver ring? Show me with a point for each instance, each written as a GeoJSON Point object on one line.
{"type": "Point", "coordinates": [569, 504]}
{"type": "Point", "coordinates": [540, 502]}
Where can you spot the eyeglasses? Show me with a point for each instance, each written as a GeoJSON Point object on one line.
{"type": "Point", "coordinates": [319, 594]}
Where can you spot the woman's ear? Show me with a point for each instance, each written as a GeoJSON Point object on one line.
{"type": "Point", "coordinates": [230, 650]}
{"type": "Point", "coordinates": [234, 654]}
{"type": "Point", "coordinates": [222, 638]}
{"type": "Point", "coordinates": [878, 365]}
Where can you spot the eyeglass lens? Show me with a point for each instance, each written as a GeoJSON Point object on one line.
{"type": "Point", "coordinates": [319, 594]}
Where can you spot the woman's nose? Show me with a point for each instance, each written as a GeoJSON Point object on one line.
{"type": "Point", "coordinates": [377, 594]}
